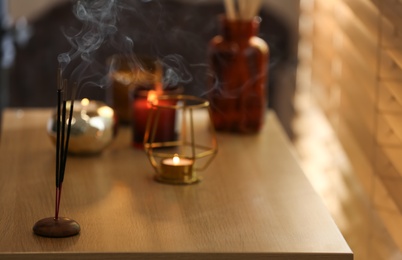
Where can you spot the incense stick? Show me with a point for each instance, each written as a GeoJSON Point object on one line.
{"type": "Point", "coordinates": [67, 136]}
{"type": "Point", "coordinates": [60, 91]}
{"type": "Point", "coordinates": [63, 136]}
{"type": "Point", "coordinates": [55, 226]}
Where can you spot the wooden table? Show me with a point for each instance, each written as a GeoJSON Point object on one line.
{"type": "Point", "coordinates": [253, 203]}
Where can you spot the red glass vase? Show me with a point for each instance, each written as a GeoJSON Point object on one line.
{"type": "Point", "coordinates": [237, 92]}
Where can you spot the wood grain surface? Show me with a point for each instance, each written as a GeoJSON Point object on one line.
{"type": "Point", "coordinates": [254, 201]}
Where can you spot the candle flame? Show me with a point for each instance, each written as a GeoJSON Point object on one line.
{"type": "Point", "coordinates": [152, 97]}
{"type": "Point", "coordinates": [85, 102]}
{"type": "Point", "coordinates": [176, 159]}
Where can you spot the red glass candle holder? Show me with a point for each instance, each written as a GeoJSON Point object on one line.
{"type": "Point", "coordinates": [141, 108]}
{"type": "Point", "coordinates": [130, 73]}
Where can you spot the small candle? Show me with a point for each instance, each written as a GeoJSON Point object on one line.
{"type": "Point", "coordinates": [177, 170]}
{"type": "Point", "coordinates": [177, 161]}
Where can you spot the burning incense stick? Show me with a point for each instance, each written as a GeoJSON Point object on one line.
{"type": "Point", "coordinates": [60, 226]}
{"type": "Point", "coordinates": [60, 93]}
{"type": "Point", "coordinates": [68, 135]}
{"type": "Point", "coordinates": [62, 138]}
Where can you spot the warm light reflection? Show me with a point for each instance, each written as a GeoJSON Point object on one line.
{"type": "Point", "coordinates": [98, 123]}
{"type": "Point", "coordinates": [85, 102]}
{"type": "Point", "coordinates": [105, 111]}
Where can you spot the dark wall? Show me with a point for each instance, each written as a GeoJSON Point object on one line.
{"type": "Point", "coordinates": [158, 28]}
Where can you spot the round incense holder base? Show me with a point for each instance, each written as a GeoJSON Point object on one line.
{"type": "Point", "coordinates": [61, 227]}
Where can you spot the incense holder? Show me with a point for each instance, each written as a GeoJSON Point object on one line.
{"type": "Point", "coordinates": [60, 227]}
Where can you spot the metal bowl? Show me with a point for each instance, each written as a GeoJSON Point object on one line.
{"type": "Point", "coordinates": [93, 127]}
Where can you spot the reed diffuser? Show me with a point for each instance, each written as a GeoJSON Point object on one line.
{"type": "Point", "coordinates": [60, 226]}
{"type": "Point", "coordinates": [242, 9]}
{"type": "Point", "coordinates": [238, 62]}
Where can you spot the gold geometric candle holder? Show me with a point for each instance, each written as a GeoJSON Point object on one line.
{"type": "Point", "coordinates": [179, 160]}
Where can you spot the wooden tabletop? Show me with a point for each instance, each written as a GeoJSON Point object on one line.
{"type": "Point", "coordinates": [254, 201]}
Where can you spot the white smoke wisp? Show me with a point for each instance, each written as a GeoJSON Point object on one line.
{"type": "Point", "coordinates": [176, 72]}
{"type": "Point", "coordinates": [99, 27]}
{"type": "Point", "coordinates": [106, 31]}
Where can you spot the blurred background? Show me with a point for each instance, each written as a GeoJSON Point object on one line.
{"type": "Point", "coordinates": [175, 31]}
{"type": "Point", "coordinates": [334, 82]}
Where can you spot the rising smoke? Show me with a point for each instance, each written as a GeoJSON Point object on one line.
{"type": "Point", "coordinates": [98, 20]}
{"type": "Point", "coordinates": [101, 35]}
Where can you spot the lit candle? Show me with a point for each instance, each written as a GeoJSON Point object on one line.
{"type": "Point", "coordinates": [177, 161]}
{"type": "Point", "coordinates": [152, 98]}
{"type": "Point", "coordinates": [141, 107]}
{"type": "Point", "coordinates": [177, 170]}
